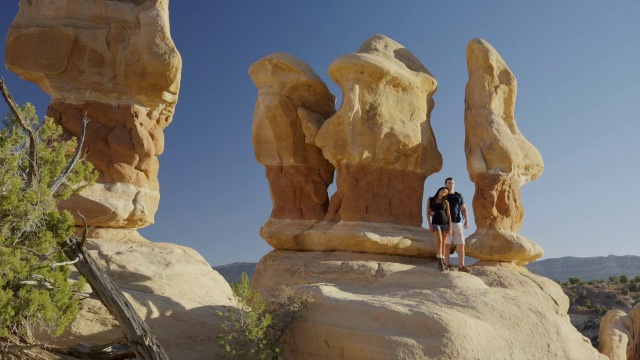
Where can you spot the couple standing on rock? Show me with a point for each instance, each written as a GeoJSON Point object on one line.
{"type": "Point", "coordinates": [444, 212]}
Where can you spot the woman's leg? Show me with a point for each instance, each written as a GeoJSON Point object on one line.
{"type": "Point", "coordinates": [447, 248]}
{"type": "Point", "coordinates": [438, 235]}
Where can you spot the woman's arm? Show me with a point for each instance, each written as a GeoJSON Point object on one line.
{"type": "Point", "coordinates": [428, 216]}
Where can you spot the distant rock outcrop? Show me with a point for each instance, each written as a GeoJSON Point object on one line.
{"type": "Point", "coordinates": [233, 272]}
{"type": "Point", "coordinates": [620, 334]}
{"type": "Point", "coordinates": [369, 306]}
{"type": "Point", "coordinates": [114, 61]}
{"type": "Point", "coordinates": [499, 159]}
{"type": "Point", "coordinates": [587, 268]}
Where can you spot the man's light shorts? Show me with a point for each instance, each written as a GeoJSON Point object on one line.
{"type": "Point", "coordinates": [457, 234]}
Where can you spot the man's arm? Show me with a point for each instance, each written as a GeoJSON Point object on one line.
{"type": "Point", "coordinates": [466, 217]}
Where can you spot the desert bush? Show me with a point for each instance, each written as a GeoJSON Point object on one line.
{"type": "Point", "coordinates": [257, 330]}
{"type": "Point", "coordinates": [587, 304]}
{"type": "Point", "coordinates": [636, 279]}
{"type": "Point", "coordinates": [601, 309]}
{"type": "Point", "coordinates": [614, 279]}
{"type": "Point", "coordinates": [575, 280]}
{"type": "Point", "coordinates": [582, 293]}
{"type": "Point", "coordinates": [35, 291]}
{"type": "Point", "coordinates": [624, 279]}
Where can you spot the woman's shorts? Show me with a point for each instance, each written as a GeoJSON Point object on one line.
{"type": "Point", "coordinates": [441, 228]}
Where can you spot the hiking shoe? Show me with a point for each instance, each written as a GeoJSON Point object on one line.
{"type": "Point", "coordinates": [441, 266]}
{"type": "Point", "coordinates": [464, 269]}
{"type": "Point", "coordinates": [451, 268]}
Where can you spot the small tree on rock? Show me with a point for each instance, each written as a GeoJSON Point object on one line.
{"type": "Point", "coordinates": [34, 280]}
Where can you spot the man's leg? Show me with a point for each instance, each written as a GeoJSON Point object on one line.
{"type": "Point", "coordinates": [460, 251]}
{"type": "Point", "coordinates": [458, 239]}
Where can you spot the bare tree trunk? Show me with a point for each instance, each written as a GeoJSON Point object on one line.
{"type": "Point", "coordinates": [139, 336]}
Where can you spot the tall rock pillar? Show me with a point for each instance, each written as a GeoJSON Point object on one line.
{"type": "Point", "coordinates": [114, 61]}
{"type": "Point", "coordinates": [499, 159]}
{"type": "Point", "coordinates": [291, 99]}
{"type": "Point", "coordinates": [380, 142]}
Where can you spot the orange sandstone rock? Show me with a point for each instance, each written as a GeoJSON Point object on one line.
{"type": "Point", "coordinates": [114, 61]}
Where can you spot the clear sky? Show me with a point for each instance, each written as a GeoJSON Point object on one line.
{"type": "Point", "coordinates": [577, 64]}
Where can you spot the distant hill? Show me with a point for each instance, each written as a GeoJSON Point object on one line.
{"type": "Point", "coordinates": [587, 268]}
{"type": "Point", "coordinates": [232, 272]}
{"type": "Point", "coordinates": [560, 269]}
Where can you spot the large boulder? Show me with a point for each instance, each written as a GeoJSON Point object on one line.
{"type": "Point", "coordinates": [620, 334]}
{"type": "Point", "coordinates": [499, 159]}
{"type": "Point", "coordinates": [115, 62]}
{"type": "Point", "coordinates": [369, 306]}
{"type": "Point", "coordinates": [173, 289]}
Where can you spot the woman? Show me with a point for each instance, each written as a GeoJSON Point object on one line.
{"type": "Point", "coordinates": [440, 222]}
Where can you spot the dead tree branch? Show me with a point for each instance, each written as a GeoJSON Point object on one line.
{"type": "Point", "coordinates": [140, 337]}
{"type": "Point", "coordinates": [75, 158]}
{"type": "Point", "coordinates": [32, 173]}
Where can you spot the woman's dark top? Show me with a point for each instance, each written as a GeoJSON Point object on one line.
{"type": "Point", "coordinates": [440, 210]}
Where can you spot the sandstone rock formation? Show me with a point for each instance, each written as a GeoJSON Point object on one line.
{"type": "Point", "coordinates": [292, 100]}
{"type": "Point", "coordinates": [380, 142]}
{"type": "Point", "coordinates": [620, 334]}
{"type": "Point", "coordinates": [115, 62]}
{"type": "Point", "coordinates": [172, 287]}
{"type": "Point", "coordinates": [369, 306]}
{"type": "Point", "coordinates": [499, 159]}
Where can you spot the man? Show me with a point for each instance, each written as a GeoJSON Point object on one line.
{"type": "Point", "coordinates": [456, 206]}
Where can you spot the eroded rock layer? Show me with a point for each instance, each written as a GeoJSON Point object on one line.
{"type": "Point", "coordinates": [383, 127]}
{"type": "Point", "coordinates": [292, 101]}
{"type": "Point", "coordinates": [115, 62]}
{"type": "Point", "coordinates": [380, 142]}
{"type": "Point", "coordinates": [499, 159]}
{"type": "Point", "coordinates": [369, 306]}
{"type": "Point", "coordinates": [173, 289]}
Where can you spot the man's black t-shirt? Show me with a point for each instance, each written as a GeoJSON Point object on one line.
{"type": "Point", "coordinates": [455, 206]}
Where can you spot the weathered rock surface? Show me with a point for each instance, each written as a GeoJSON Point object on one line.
{"type": "Point", "coordinates": [114, 61]}
{"type": "Point", "coordinates": [620, 334]}
{"type": "Point", "coordinates": [370, 306]}
{"type": "Point", "coordinates": [292, 101]}
{"type": "Point", "coordinates": [172, 287]}
{"type": "Point", "coordinates": [380, 140]}
{"type": "Point", "coordinates": [499, 159]}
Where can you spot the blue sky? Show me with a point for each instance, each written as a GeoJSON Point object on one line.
{"type": "Point", "coordinates": [578, 75]}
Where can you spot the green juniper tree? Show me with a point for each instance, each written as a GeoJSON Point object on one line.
{"type": "Point", "coordinates": [257, 329]}
{"type": "Point", "coordinates": [35, 290]}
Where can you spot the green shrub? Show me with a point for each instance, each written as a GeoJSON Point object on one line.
{"type": "Point", "coordinates": [614, 279]}
{"type": "Point", "coordinates": [582, 293]}
{"type": "Point", "coordinates": [257, 330]}
{"type": "Point", "coordinates": [575, 280]}
{"type": "Point", "coordinates": [35, 291]}
{"type": "Point", "coordinates": [624, 279]}
{"type": "Point", "coordinates": [601, 309]}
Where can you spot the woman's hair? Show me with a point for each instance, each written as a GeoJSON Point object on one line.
{"type": "Point", "coordinates": [435, 196]}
